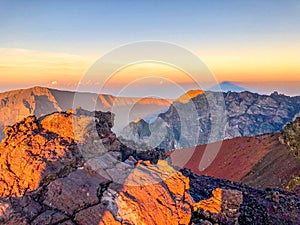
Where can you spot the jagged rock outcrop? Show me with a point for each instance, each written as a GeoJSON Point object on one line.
{"type": "Point", "coordinates": [152, 194]}
{"type": "Point", "coordinates": [113, 187]}
{"type": "Point", "coordinates": [137, 129]}
{"type": "Point", "coordinates": [30, 155]}
{"type": "Point", "coordinates": [222, 207]}
{"type": "Point", "coordinates": [291, 136]}
{"type": "Point", "coordinates": [194, 121]}
{"type": "Point", "coordinates": [270, 206]}
{"type": "Point", "coordinates": [37, 150]}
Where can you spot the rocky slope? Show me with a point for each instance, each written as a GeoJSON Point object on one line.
{"type": "Point", "coordinates": [211, 117]}
{"type": "Point", "coordinates": [69, 168]}
{"type": "Point", "coordinates": [39, 101]}
{"type": "Point", "coordinates": [260, 161]}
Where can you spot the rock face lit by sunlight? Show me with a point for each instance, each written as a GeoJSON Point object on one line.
{"type": "Point", "coordinates": [30, 157]}
{"type": "Point", "coordinates": [185, 98]}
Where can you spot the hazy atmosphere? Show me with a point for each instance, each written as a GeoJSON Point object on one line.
{"type": "Point", "coordinates": [254, 44]}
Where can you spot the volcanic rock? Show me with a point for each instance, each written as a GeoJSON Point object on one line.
{"type": "Point", "coordinates": [61, 186]}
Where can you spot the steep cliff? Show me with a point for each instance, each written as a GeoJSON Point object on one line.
{"type": "Point", "coordinates": [209, 117]}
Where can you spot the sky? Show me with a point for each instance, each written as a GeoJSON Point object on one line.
{"type": "Point", "coordinates": [54, 43]}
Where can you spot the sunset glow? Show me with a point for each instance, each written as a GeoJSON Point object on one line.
{"type": "Point", "coordinates": [236, 46]}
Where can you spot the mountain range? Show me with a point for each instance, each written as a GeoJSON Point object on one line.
{"type": "Point", "coordinates": [208, 117]}
{"type": "Point", "coordinates": [18, 104]}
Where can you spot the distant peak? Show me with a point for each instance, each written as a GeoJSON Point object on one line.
{"type": "Point", "coordinates": [185, 98]}
{"type": "Point", "coordinates": [226, 82]}
{"type": "Point", "coordinates": [226, 86]}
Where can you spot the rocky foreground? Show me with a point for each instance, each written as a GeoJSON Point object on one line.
{"type": "Point", "coordinates": [69, 168]}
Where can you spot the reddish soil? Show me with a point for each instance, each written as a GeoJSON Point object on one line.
{"type": "Point", "coordinates": [240, 158]}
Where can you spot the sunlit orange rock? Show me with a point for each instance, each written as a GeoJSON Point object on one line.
{"type": "Point", "coordinates": [223, 207]}
{"type": "Point", "coordinates": [30, 154]}
{"type": "Point", "coordinates": [153, 194]}
{"type": "Point", "coordinates": [37, 151]}
{"type": "Point", "coordinates": [185, 98]}
{"type": "Point", "coordinates": [213, 204]}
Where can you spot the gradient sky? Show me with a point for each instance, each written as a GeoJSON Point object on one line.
{"type": "Point", "coordinates": [52, 43]}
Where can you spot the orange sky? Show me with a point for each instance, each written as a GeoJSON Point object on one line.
{"type": "Point", "coordinates": [64, 71]}
{"type": "Point", "coordinates": [54, 43]}
{"type": "Point", "coordinates": [261, 64]}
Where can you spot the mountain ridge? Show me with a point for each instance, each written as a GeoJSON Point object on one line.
{"type": "Point", "coordinates": [17, 104]}
{"type": "Point", "coordinates": [240, 114]}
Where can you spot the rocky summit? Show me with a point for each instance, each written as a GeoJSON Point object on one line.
{"type": "Point", "coordinates": [69, 168]}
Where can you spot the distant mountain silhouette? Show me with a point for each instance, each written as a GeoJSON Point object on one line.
{"type": "Point", "coordinates": [227, 86]}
